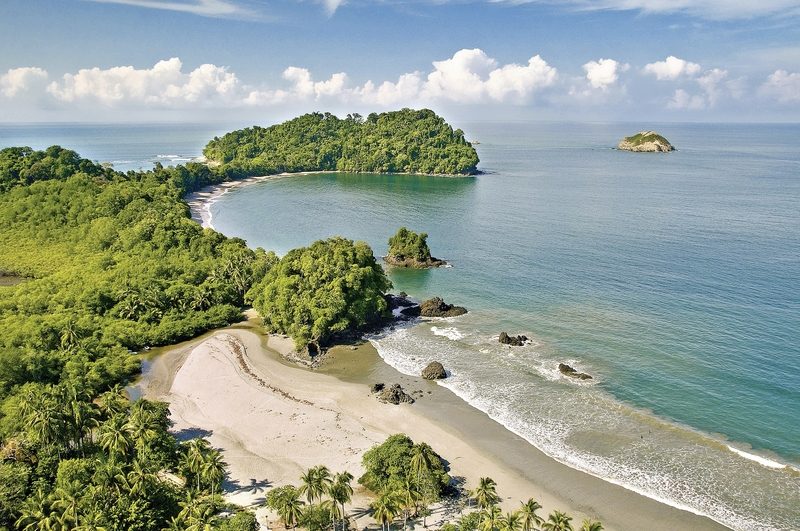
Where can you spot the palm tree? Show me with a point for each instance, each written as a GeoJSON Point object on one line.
{"type": "Point", "coordinates": [213, 469]}
{"type": "Point", "coordinates": [529, 516]}
{"type": "Point", "coordinates": [42, 416]}
{"type": "Point", "coordinates": [420, 462]}
{"type": "Point", "coordinates": [35, 512]}
{"type": "Point", "coordinates": [591, 525]}
{"type": "Point", "coordinates": [315, 482]}
{"type": "Point", "coordinates": [291, 510]}
{"type": "Point", "coordinates": [512, 522]}
{"type": "Point", "coordinates": [112, 402]}
{"type": "Point", "coordinates": [65, 505]}
{"type": "Point", "coordinates": [486, 493]}
{"type": "Point", "coordinates": [409, 496]}
{"type": "Point", "coordinates": [558, 521]}
{"type": "Point", "coordinates": [115, 438]}
{"type": "Point", "coordinates": [341, 491]}
{"type": "Point", "coordinates": [90, 522]}
{"type": "Point", "coordinates": [80, 415]}
{"type": "Point", "coordinates": [139, 479]}
{"type": "Point", "coordinates": [70, 335]}
{"type": "Point", "coordinates": [193, 458]}
{"type": "Point", "coordinates": [385, 508]}
{"type": "Point", "coordinates": [142, 425]}
{"type": "Point", "coordinates": [491, 518]}
{"type": "Point", "coordinates": [197, 512]}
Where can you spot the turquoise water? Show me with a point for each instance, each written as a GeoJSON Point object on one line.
{"type": "Point", "coordinates": [673, 279]}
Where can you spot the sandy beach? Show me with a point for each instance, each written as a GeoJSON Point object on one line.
{"type": "Point", "coordinates": [273, 420]}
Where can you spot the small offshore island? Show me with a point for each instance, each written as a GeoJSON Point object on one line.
{"type": "Point", "coordinates": [645, 142]}
{"type": "Point", "coordinates": [114, 265]}
{"type": "Point", "coordinates": [410, 249]}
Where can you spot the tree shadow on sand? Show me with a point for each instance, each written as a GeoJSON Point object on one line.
{"type": "Point", "coordinates": [188, 434]}
{"type": "Point", "coordinates": [253, 486]}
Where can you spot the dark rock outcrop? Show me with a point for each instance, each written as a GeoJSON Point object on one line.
{"type": "Point", "coordinates": [413, 263]}
{"type": "Point", "coordinates": [377, 388]}
{"type": "Point", "coordinates": [434, 371]}
{"type": "Point", "coordinates": [395, 395]}
{"type": "Point", "coordinates": [436, 307]}
{"type": "Point", "coordinates": [514, 341]}
{"type": "Point", "coordinates": [411, 311]}
{"type": "Point", "coordinates": [398, 301]}
{"type": "Point", "coordinates": [566, 370]}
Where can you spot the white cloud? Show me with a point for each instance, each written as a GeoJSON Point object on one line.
{"type": "Point", "coordinates": [672, 68]}
{"type": "Point", "coordinates": [603, 73]}
{"type": "Point", "coordinates": [470, 76]}
{"type": "Point", "coordinates": [683, 100]}
{"type": "Point", "coordinates": [518, 82]}
{"type": "Point", "coordinates": [407, 88]}
{"type": "Point", "coordinates": [19, 80]}
{"type": "Point", "coordinates": [163, 84]}
{"type": "Point", "coordinates": [332, 5]}
{"type": "Point", "coordinates": [303, 88]}
{"type": "Point", "coordinates": [460, 78]}
{"type": "Point", "coordinates": [712, 9]}
{"type": "Point", "coordinates": [206, 8]}
{"type": "Point", "coordinates": [782, 86]}
{"type": "Point", "coordinates": [710, 83]}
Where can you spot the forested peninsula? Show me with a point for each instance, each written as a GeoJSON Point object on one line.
{"type": "Point", "coordinates": [405, 141]}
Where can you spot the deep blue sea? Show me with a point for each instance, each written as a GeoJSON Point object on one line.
{"type": "Point", "coordinates": [674, 279]}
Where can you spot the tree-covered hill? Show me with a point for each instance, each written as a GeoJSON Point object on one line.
{"type": "Point", "coordinates": [411, 141]}
{"type": "Point", "coordinates": [111, 262]}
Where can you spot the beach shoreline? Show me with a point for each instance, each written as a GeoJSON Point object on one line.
{"type": "Point", "coordinates": [200, 201]}
{"type": "Point", "coordinates": [247, 400]}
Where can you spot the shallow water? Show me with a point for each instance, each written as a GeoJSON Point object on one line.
{"type": "Point", "coordinates": [671, 278]}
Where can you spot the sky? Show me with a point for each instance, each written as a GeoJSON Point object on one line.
{"type": "Point", "coordinates": [268, 60]}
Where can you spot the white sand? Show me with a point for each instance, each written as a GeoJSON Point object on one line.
{"type": "Point", "coordinates": [273, 421]}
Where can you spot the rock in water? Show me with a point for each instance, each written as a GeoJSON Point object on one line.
{"type": "Point", "coordinates": [566, 370]}
{"type": "Point", "coordinates": [434, 371]}
{"type": "Point", "coordinates": [645, 141]}
{"type": "Point", "coordinates": [436, 307]}
{"type": "Point", "coordinates": [514, 341]}
{"type": "Point", "coordinates": [395, 395]}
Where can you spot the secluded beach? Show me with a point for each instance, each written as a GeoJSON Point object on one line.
{"type": "Point", "coordinates": [200, 201]}
{"type": "Point", "coordinates": [273, 420]}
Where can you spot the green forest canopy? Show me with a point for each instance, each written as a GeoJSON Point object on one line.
{"type": "Point", "coordinates": [112, 262]}
{"type": "Point", "coordinates": [412, 141]}
{"type": "Point", "coordinates": [333, 286]}
{"type": "Point", "coordinates": [407, 244]}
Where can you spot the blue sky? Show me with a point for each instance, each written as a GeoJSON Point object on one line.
{"type": "Point", "coordinates": [681, 60]}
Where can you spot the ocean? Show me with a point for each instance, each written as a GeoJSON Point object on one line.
{"type": "Point", "coordinates": [673, 279]}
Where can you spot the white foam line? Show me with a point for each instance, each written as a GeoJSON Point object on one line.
{"type": "Point", "coordinates": [769, 463]}
{"type": "Point", "coordinates": [731, 521]}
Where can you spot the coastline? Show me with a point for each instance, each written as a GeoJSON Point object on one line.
{"type": "Point", "coordinates": [273, 419]}
{"type": "Point", "coordinates": [200, 202]}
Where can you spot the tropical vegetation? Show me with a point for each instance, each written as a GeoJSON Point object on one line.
{"type": "Point", "coordinates": [412, 141]}
{"type": "Point", "coordinates": [314, 293]}
{"type": "Point", "coordinates": [410, 249]}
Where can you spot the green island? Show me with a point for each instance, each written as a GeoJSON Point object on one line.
{"type": "Point", "coordinates": [405, 141]}
{"type": "Point", "coordinates": [645, 141]}
{"type": "Point", "coordinates": [410, 249]}
{"type": "Point", "coordinates": [107, 264]}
